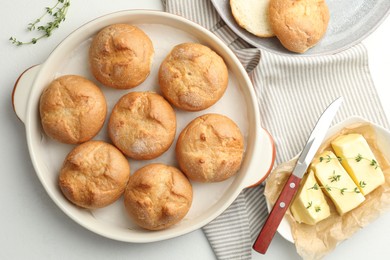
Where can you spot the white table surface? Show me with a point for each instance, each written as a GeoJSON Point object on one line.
{"type": "Point", "coordinates": [33, 227]}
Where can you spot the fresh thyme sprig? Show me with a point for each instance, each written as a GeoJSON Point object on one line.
{"type": "Point", "coordinates": [57, 13]}
{"type": "Point", "coordinates": [334, 177]}
{"type": "Point", "coordinates": [373, 162]}
{"type": "Point", "coordinates": [342, 190]}
{"type": "Point", "coordinates": [362, 184]}
{"type": "Point", "coordinates": [316, 208]}
{"type": "Point", "coordinates": [357, 158]}
{"type": "Point", "coordinates": [328, 158]}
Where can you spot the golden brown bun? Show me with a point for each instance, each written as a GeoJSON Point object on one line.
{"type": "Point", "coordinates": [120, 56]}
{"type": "Point", "coordinates": [252, 15]}
{"type": "Point", "coordinates": [94, 175]}
{"type": "Point", "coordinates": [299, 25]}
{"type": "Point", "coordinates": [210, 148]}
{"type": "Point", "coordinates": [72, 109]}
{"type": "Point", "coordinates": [142, 125]}
{"type": "Point", "coordinates": [193, 77]}
{"type": "Point", "coordinates": [158, 196]}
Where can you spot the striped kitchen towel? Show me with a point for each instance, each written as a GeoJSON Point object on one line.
{"type": "Point", "coordinates": [292, 91]}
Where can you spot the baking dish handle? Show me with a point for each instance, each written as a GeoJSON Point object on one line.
{"type": "Point", "coordinates": [22, 89]}
{"type": "Point", "coordinates": [267, 156]}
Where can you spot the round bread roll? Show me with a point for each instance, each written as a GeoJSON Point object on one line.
{"type": "Point", "coordinates": [210, 148]}
{"type": "Point", "coordinates": [193, 77]}
{"type": "Point", "coordinates": [94, 175]}
{"type": "Point", "coordinates": [158, 196]}
{"type": "Point", "coordinates": [299, 25]}
{"type": "Point", "coordinates": [72, 109]}
{"type": "Point", "coordinates": [252, 15]}
{"type": "Point", "coordinates": [142, 125]}
{"type": "Point", "coordinates": [120, 56]}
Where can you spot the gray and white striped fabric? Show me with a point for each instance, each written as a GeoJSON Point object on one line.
{"type": "Point", "coordinates": [292, 92]}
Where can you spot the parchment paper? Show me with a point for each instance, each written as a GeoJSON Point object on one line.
{"type": "Point", "coordinates": [314, 242]}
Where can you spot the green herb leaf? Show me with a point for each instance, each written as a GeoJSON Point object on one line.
{"type": "Point", "coordinates": [315, 187]}
{"type": "Point", "coordinates": [374, 163]}
{"type": "Point", "coordinates": [57, 13]}
{"type": "Point", "coordinates": [358, 158]}
{"type": "Point", "coordinates": [334, 177]}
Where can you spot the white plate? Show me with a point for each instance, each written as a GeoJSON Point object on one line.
{"type": "Point", "coordinates": [165, 30]}
{"type": "Point", "coordinates": [383, 141]}
{"type": "Point", "coordinates": [350, 22]}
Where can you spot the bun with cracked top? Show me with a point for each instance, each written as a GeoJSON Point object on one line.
{"type": "Point", "coordinates": [72, 109]}
{"type": "Point", "coordinates": [94, 175]}
{"type": "Point", "coordinates": [193, 77]}
{"type": "Point", "coordinates": [120, 56]}
{"type": "Point", "coordinates": [158, 196]}
{"type": "Point", "coordinates": [299, 25]}
{"type": "Point", "coordinates": [142, 125]}
{"type": "Point", "coordinates": [210, 148]}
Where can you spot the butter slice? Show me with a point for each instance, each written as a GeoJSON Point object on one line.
{"type": "Point", "coordinates": [367, 177]}
{"type": "Point", "coordinates": [309, 205]}
{"type": "Point", "coordinates": [341, 191]}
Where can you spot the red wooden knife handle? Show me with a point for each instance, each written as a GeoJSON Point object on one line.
{"type": "Point", "coordinates": [275, 217]}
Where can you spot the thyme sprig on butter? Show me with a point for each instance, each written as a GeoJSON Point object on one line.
{"type": "Point", "coordinates": [316, 208]}
{"type": "Point", "coordinates": [57, 13]}
{"type": "Point", "coordinates": [329, 188]}
{"type": "Point", "coordinates": [335, 177]}
{"type": "Point", "coordinates": [357, 158]}
{"type": "Point", "coordinates": [309, 204]}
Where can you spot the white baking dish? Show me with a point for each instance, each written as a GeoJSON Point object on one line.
{"type": "Point", "coordinates": [165, 30]}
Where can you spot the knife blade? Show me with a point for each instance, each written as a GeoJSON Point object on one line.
{"type": "Point", "coordinates": [290, 188]}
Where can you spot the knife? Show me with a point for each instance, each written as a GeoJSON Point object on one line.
{"type": "Point", "coordinates": [290, 188]}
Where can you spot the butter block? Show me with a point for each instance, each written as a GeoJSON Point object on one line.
{"type": "Point", "coordinates": [309, 205]}
{"type": "Point", "coordinates": [359, 161]}
{"type": "Point", "coordinates": [336, 182]}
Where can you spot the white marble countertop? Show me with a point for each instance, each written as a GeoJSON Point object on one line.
{"type": "Point", "coordinates": [33, 227]}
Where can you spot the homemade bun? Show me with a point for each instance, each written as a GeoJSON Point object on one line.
{"type": "Point", "coordinates": [142, 125]}
{"type": "Point", "coordinates": [193, 77]}
{"type": "Point", "coordinates": [252, 15]}
{"type": "Point", "coordinates": [120, 56]}
{"type": "Point", "coordinates": [299, 25]}
{"type": "Point", "coordinates": [94, 175]}
{"type": "Point", "coordinates": [72, 109]}
{"type": "Point", "coordinates": [158, 196]}
{"type": "Point", "coordinates": [210, 148]}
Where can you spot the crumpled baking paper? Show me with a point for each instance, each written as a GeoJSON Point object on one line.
{"type": "Point", "coordinates": [314, 242]}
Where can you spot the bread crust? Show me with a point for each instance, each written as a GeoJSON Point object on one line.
{"type": "Point", "coordinates": [72, 109]}
{"type": "Point", "coordinates": [158, 196]}
{"type": "Point", "coordinates": [299, 25]}
{"type": "Point", "coordinates": [142, 125]}
{"type": "Point", "coordinates": [120, 56]}
{"type": "Point", "coordinates": [193, 77]}
{"type": "Point", "coordinates": [210, 148]}
{"type": "Point", "coordinates": [94, 175]}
